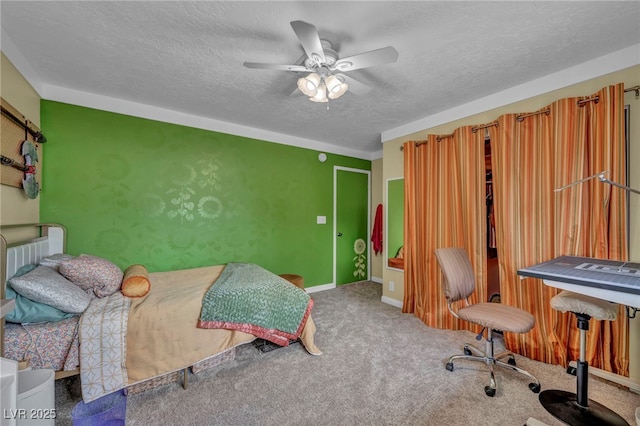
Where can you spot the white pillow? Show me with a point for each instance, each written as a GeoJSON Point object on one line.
{"type": "Point", "coordinates": [46, 285]}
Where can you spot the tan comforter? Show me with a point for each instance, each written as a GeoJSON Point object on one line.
{"type": "Point", "coordinates": [162, 335]}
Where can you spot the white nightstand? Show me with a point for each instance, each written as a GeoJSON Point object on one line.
{"type": "Point", "coordinates": [8, 375]}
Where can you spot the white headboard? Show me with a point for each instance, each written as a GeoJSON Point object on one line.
{"type": "Point", "coordinates": [33, 251]}
{"type": "Point", "coordinates": [23, 253]}
{"type": "Point", "coordinates": [13, 256]}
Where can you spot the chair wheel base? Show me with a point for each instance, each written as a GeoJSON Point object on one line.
{"type": "Point", "coordinates": [467, 351]}
{"type": "Point", "coordinates": [489, 391]}
{"type": "Point", "coordinates": [511, 361]}
{"type": "Point", "coordinates": [535, 387]}
{"type": "Point", "coordinates": [449, 366]}
{"type": "Point", "coordinates": [572, 370]}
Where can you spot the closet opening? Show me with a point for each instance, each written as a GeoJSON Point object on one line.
{"type": "Point", "coordinates": [493, 275]}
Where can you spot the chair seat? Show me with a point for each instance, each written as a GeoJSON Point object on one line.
{"type": "Point", "coordinates": [498, 317]}
{"type": "Point", "coordinates": [566, 301]}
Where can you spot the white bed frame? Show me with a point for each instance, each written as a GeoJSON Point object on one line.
{"type": "Point", "coordinates": [51, 240]}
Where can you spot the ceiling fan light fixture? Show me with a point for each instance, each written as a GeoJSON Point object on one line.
{"type": "Point", "coordinates": [320, 60]}
{"type": "Point", "coordinates": [333, 83]}
{"type": "Point", "coordinates": [336, 87]}
{"type": "Point", "coordinates": [343, 89]}
{"type": "Point", "coordinates": [309, 84]}
{"type": "Point", "coordinates": [320, 95]}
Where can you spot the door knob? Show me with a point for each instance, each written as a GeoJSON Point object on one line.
{"type": "Point", "coordinates": [339, 234]}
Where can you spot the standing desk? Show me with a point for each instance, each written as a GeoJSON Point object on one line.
{"type": "Point", "coordinates": [610, 280]}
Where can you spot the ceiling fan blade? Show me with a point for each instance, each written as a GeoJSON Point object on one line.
{"type": "Point", "coordinates": [309, 39]}
{"type": "Point", "coordinates": [355, 86]}
{"type": "Point", "coordinates": [297, 68]}
{"type": "Point", "coordinates": [386, 55]}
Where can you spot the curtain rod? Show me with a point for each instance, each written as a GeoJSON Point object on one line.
{"type": "Point", "coordinates": [547, 111]}
{"type": "Point", "coordinates": [596, 98]}
{"type": "Point", "coordinates": [634, 89]}
{"type": "Point", "coordinates": [418, 143]}
{"type": "Point", "coordinates": [476, 128]}
{"type": "Point", "coordinates": [583, 102]}
{"type": "Point", "coordinates": [523, 116]}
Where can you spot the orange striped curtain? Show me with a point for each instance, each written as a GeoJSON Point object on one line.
{"type": "Point", "coordinates": [567, 141]}
{"type": "Point", "coordinates": [444, 207]}
{"type": "Point", "coordinates": [523, 164]}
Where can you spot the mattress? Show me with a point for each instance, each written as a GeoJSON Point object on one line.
{"type": "Point", "coordinates": [50, 345]}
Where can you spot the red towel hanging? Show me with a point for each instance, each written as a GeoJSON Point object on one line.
{"type": "Point", "coordinates": [376, 235]}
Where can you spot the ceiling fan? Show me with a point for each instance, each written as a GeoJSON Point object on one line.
{"type": "Point", "coordinates": [326, 79]}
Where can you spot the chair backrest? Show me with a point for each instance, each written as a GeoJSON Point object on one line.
{"type": "Point", "coordinates": [459, 281]}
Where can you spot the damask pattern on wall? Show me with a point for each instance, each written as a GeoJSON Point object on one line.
{"type": "Point", "coordinates": [172, 197]}
{"type": "Point", "coordinates": [193, 194]}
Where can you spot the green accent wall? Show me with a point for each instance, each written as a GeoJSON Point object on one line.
{"type": "Point", "coordinates": [172, 197]}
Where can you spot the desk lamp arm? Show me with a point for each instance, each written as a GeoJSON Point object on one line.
{"type": "Point", "coordinates": [631, 312]}
{"type": "Point", "coordinates": [601, 178]}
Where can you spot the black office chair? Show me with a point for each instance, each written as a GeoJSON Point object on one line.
{"type": "Point", "coordinates": [459, 284]}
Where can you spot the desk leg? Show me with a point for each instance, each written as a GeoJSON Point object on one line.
{"type": "Point", "coordinates": [564, 406]}
{"type": "Point", "coordinates": [576, 409]}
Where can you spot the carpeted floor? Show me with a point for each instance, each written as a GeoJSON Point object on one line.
{"type": "Point", "coordinates": [379, 367]}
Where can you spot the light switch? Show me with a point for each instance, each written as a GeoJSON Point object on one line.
{"type": "Point", "coordinates": [322, 220]}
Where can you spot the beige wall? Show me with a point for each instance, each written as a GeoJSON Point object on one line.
{"type": "Point", "coordinates": [393, 167]}
{"type": "Point", "coordinates": [376, 198]}
{"type": "Point", "coordinates": [15, 207]}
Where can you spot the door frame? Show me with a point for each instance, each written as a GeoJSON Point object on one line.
{"type": "Point", "coordinates": [335, 217]}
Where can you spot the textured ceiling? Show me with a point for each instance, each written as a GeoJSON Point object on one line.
{"type": "Point", "coordinates": [187, 56]}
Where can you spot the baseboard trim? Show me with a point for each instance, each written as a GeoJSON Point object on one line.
{"type": "Point", "coordinates": [392, 302]}
{"type": "Point", "coordinates": [320, 287]}
{"type": "Point", "coordinates": [376, 280]}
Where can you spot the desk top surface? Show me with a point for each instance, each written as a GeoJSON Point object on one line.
{"type": "Point", "coordinates": [600, 273]}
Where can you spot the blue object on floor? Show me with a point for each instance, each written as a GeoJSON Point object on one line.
{"type": "Point", "coordinates": [108, 410]}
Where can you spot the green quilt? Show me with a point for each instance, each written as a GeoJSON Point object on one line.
{"type": "Point", "coordinates": [248, 298]}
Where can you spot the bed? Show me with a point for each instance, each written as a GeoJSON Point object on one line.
{"type": "Point", "coordinates": [148, 340]}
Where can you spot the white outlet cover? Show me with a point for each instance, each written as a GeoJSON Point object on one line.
{"type": "Point", "coordinates": [321, 220]}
